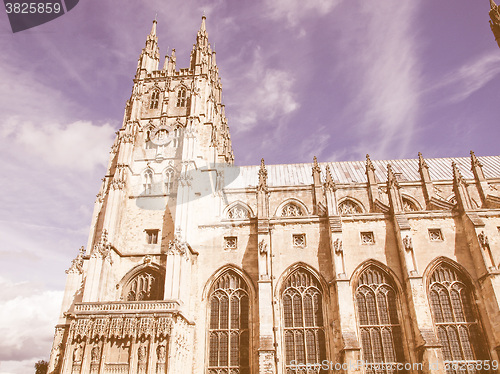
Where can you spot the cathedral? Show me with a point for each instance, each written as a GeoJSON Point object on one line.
{"type": "Point", "coordinates": [196, 266]}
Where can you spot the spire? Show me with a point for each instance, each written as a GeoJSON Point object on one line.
{"type": "Point", "coordinates": [492, 5]}
{"type": "Point", "coordinates": [153, 28]}
{"type": "Point", "coordinates": [369, 164]}
{"type": "Point", "coordinates": [150, 55]}
{"type": "Point", "coordinates": [391, 177]}
{"type": "Point", "coordinates": [421, 162]}
{"type": "Point", "coordinates": [203, 27]}
{"type": "Point", "coordinates": [474, 160]}
{"type": "Point", "coordinates": [457, 176]}
{"type": "Point", "coordinates": [201, 52]}
{"type": "Point", "coordinates": [329, 183]}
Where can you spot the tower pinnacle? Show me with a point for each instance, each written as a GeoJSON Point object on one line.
{"type": "Point", "coordinates": [150, 55]}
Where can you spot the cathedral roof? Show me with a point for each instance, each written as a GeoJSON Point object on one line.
{"type": "Point", "coordinates": [346, 172]}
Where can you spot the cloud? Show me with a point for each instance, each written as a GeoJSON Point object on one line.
{"type": "Point", "coordinates": [296, 10]}
{"type": "Point", "coordinates": [471, 77]}
{"type": "Point", "coordinates": [28, 316]}
{"type": "Point", "coordinates": [272, 94]}
{"type": "Point", "coordinates": [387, 76]}
{"type": "Point", "coordinates": [80, 145]}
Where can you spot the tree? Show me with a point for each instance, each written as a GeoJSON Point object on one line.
{"type": "Point", "coordinates": [41, 367]}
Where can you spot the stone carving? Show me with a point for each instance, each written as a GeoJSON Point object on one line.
{"type": "Point", "coordinates": [141, 353]}
{"type": "Point", "coordinates": [119, 178]}
{"type": "Point", "coordinates": [95, 354]}
{"type": "Point", "coordinates": [264, 259]}
{"type": "Point", "coordinates": [77, 263]}
{"type": "Point", "coordinates": [237, 212]}
{"type": "Point", "coordinates": [485, 245]}
{"type": "Point", "coordinates": [407, 243]}
{"type": "Point", "coordinates": [483, 240]}
{"type": "Point", "coordinates": [78, 353]}
{"type": "Point", "coordinates": [291, 210]}
{"type": "Point", "coordinates": [337, 246]}
{"type": "Point", "coordinates": [348, 207]}
{"type": "Point", "coordinates": [262, 177]}
{"type": "Point", "coordinates": [161, 353]}
{"type": "Point", "coordinates": [177, 247]}
{"type": "Point", "coordinates": [103, 247]}
{"type": "Point", "coordinates": [339, 257]}
{"type": "Point", "coordinates": [408, 206]}
{"type": "Point", "coordinates": [367, 238]}
{"type": "Point", "coordinates": [329, 183]}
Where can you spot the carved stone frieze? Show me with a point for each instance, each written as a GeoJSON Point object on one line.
{"type": "Point", "coordinates": [76, 266]}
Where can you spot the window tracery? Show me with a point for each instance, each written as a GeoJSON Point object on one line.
{"type": "Point", "coordinates": [380, 330]}
{"type": "Point", "coordinates": [291, 210]}
{"type": "Point", "coordinates": [348, 206]}
{"type": "Point", "coordinates": [181, 98]}
{"type": "Point", "coordinates": [148, 181]}
{"type": "Point", "coordinates": [147, 285]}
{"type": "Point", "coordinates": [409, 206]}
{"type": "Point", "coordinates": [455, 318]}
{"type": "Point", "coordinates": [169, 181]}
{"type": "Point", "coordinates": [238, 212]}
{"type": "Point", "coordinates": [228, 332]}
{"type": "Point", "coordinates": [155, 98]}
{"type": "Point", "coordinates": [304, 336]}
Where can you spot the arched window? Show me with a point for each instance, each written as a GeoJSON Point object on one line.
{"type": "Point", "coordinates": [348, 206]}
{"type": "Point", "coordinates": [238, 212]}
{"type": "Point", "coordinates": [228, 334]}
{"type": "Point", "coordinates": [304, 335]}
{"type": "Point", "coordinates": [146, 285]}
{"type": "Point", "coordinates": [408, 205]}
{"type": "Point", "coordinates": [169, 181]}
{"type": "Point", "coordinates": [455, 317]}
{"type": "Point", "coordinates": [155, 98]}
{"type": "Point", "coordinates": [181, 98]}
{"type": "Point", "coordinates": [148, 181]}
{"type": "Point", "coordinates": [176, 138]}
{"type": "Point", "coordinates": [381, 336]}
{"type": "Point", "coordinates": [291, 210]}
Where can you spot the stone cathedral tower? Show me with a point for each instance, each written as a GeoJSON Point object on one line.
{"type": "Point", "coordinates": [196, 266]}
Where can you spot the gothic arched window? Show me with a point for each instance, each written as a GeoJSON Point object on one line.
{"type": "Point", "coordinates": [238, 212]}
{"type": "Point", "coordinates": [348, 206]}
{"type": "Point", "coordinates": [155, 98]}
{"type": "Point", "coordinates": [228, 334]}
{"type": "Point", "coordinates": [146, 285]}
{"type": "Point", "coordinates": [455, 317]}
{"type": "Point", "coordinates": [148, 181]}
{"type": "Point", "coordinates": [408, 205]}
{"type": "Point", "coordinates": [181, 98]}
{"type": "Point", "coordinates": [380, 330]}
{"type": "Point", "coordinates": [291, 210]}
{"type": "Point", "coordinates": [303, 330]}
{"type": "Point", "coordinates": [169, 181]}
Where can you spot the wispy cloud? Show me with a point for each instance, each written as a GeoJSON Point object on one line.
{"type": "Point", "coordinates": [296, 10]}
{"type": "Point", "coordinates": [272, 94]}
{"type": "Point", "coordinates": [471, 77]}
{"type": "Point", "coordinates": [388, 76]}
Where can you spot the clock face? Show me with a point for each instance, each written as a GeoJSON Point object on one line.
{"type": "Point", "coordinates": [161, 137]}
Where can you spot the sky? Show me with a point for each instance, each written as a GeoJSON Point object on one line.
{"type": "Point", "coordinates": [335, 79]}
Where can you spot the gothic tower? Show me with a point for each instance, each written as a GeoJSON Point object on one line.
{"type": "Point", "coordinates": [129, 290]}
